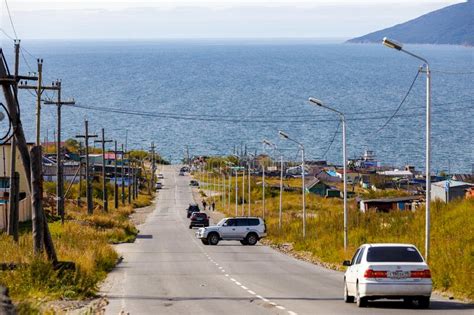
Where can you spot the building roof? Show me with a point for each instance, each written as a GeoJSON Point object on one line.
{"type": "Point", "coordinates": [452, 183]}
{"type": "Point", "coordinates": [395, 199]}
{"type": "Point", "coordinates": [396, 173]}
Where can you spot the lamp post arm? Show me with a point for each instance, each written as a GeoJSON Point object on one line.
{"type": "Point", "coordinates": [416, 56]}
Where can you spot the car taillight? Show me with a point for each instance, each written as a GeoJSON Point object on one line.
{"type": "Point", "coordinates": [369, 273]}
{"type": "Point", "coordinates": [421, 274]}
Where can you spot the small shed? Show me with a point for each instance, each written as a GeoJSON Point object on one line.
{"type": "Point", "coordinates": [448, 190]}
{"type": "Point", "coordinates": [389, 204]}
{"type": "Point", "coordinates": [320, 188]}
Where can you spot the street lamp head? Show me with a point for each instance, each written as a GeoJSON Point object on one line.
{"type": "Point", "coordinates": [265, 141]}
{"type": "Point", "coordinates": [282, 134]}
{"type": "Point", "coordinates": [392, 44]}
{"type": "Point", "coordinates": [315, 101]}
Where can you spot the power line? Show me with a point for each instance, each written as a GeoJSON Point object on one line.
{"type": "Point", "coordinates": [401, 103]}
{"type": "Point", "coordinates": [11, 20]}
{"type": "Point", "coordinates": [332, 140]}
{"type": "Point", "coordinates": [452, 72]}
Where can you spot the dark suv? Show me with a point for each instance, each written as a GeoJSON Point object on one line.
{"type": "Point", "coordinates": [192, 208]}
{"type": "Point", "coordinates": [199, 219]}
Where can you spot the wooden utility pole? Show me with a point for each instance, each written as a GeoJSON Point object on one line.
{"type": "Point", "coordinates": [153, 167]}
{"type": "Point", "coordinates": [105, 199]}
{"type": "Point", "coordinates": [7, 81]}
{"type": "Point", "coordinates": [59, 160]}
{"type": "Point", "coordinates": [122, 158]}
{"type": "Point", "coordinates": [86, 136]}
{"type": "Point", "coordinates": [116, 197]}
{"type": "Point", "coordinates": [80, 175]}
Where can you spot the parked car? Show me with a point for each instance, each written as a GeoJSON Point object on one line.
{"type": "Point", "coordinates": [199, 219]}
{"type": "Point", "coordinates": [158, 185]}
{"type": "Point", "coordinates": [160, 176]}
{"type": "Point", "coordinates": [194, 183]}
{"type": "Point", "coordinates": [391, 271]}
{"type": "Point", "coordinates": [192, 208]}
{"type": "Point", "coordinates": [247, 230]}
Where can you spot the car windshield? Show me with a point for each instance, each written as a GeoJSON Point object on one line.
{"type": "Point", "coordinates": [221, 222]}
{"type": "Point", "coordinates": [393, 254]}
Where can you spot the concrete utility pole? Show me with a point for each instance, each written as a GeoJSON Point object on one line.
{"type": "Point", "coordinates": [80, 175]}
{"type": "Point", "coordinates": [86, 137]}
{"type": "Point", "coordinates": [105, 199]}
{"type": "Point", "coordinates": [59, 164]}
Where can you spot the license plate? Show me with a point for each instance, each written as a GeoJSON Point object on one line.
{"type": "Point", "coordinates": [398, 274]}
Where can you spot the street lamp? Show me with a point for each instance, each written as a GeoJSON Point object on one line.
{"type": "Point", "coordinates": [281, 180]}
{"type": "Point", "coordinates": [344, 158]}
{"type": "Point", "coordinates": [285, 136]}
{"type": "Point", "coordinates": [394, 45]}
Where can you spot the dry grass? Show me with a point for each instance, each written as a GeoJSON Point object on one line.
{"type": "Point", "coordinates": [452, 232]}
{"type": "Point", "coordinates": [83, 239]}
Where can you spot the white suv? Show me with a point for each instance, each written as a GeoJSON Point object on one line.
{"type": "Point", "coordinates": [247, 230]}
{"type": "Point", "coordinates": [390, 271]}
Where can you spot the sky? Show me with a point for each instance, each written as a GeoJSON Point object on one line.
{"type": "Point", "coordinates": [169, 19]}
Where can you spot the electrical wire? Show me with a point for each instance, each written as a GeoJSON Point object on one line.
{"type": "Point", "coordinates": [6, 34]}
{"type": "Point", "coordinates": [452, 72]}
{"type": "Point", "coordinates": [11, 20]}
{"type": "Point", "coordinates": [401, 103]}
{"type": "Point", "coordinates": [7, 136]}
{"type": "Point", "coordinates": [332, 140]}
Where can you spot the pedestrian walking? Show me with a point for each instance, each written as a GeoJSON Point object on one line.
{"type": "Point", "coordinates": [213, 206]}
{"type": "Point", "coordinates": [204, 204]}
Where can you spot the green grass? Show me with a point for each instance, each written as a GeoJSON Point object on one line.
{"type": "Point", "coordinates": [83, 239]}
{"type": "Point", "coordinates": [452, 232]}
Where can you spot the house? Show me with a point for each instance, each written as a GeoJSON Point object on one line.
{"type": "Point", "coordinates": [448, 190]}
{"type": "Point", "coordinates": [468, 178]}
{"type": "Point", "coordinates": [352, 176]}
{"type": "Point", "coordinates": [397, 174]}
{"type": "Point", "coordinates": [318, 187]}
{"type": "Point", "coordinates": [390, 204]}
{"type": "Point", "coordinates": [25, 200]}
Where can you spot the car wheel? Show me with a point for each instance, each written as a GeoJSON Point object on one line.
{"type": "Point", "coordinates": [213, 239]}
{"type": "Point", "coordinates": [252, 239]}
{"type": "Point", "coordinates": [361, 301]}
{"type": "Point", "coordinates": [408, 301]}
{"type": "Point", "coordinates": [347, 298]}
{"type": "Point", "coordinates": [424, 302]}
{"type": "Point", "coordinates": [244, 242]}
{"type": "Point", "coordinates": [204, 241]}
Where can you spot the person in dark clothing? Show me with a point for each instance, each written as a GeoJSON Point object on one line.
{"type": "Point", "coordinates": [204, 204]}
{"type": "Point", "coordinates": [213, 206]}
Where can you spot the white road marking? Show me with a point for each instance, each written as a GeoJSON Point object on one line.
{"type": "Point", "coordinates": [244, 287]}
{"type": "Point", "coordinates": [280, 307]}
{"type": "Point", "coordinates": [251, 292]}
{"type": "Point", "coordinates": [238, 283]}
{"type": "Point", "coordinates": [232, 279]}
{"type": "Point", "coordinates": [292, 313]}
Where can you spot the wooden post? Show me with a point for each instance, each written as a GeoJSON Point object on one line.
{"type": "Point", "coordinates": [116, 198]}
{"type": "Point", "coordinates": [13, 219]}
{"type": "Point", "coordinates": [37, 199]}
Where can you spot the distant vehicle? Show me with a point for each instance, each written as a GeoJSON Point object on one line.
{"type": "Point", "coordinates": [199, 219]}
{"type": "Point", "coordinates": [181, 173]}
{"type": "Point", "coordinates": [158, 185]}
{"type": "Point", "coordinates": [387, 271]}
{"type": "Point", "coordinates": [192, 208]}
{"type": "Point", "coordinates": [160, 176]}
{"type": "Point", "coordinates": [247, 230]}
{"type": "Point", "coordinates": [184, 169]}
{"type": "Point", "coordinates": [194, 183]}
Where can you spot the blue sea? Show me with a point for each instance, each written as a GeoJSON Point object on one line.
{"type": "Point", "coordinates": [213, 95]}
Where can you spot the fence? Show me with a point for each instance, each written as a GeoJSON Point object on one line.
{"type": "Point", "coordinates": [24, 212]}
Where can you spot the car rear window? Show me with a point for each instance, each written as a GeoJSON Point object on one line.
{"type": "Point", "coordinates": [201, 214]}
{"type": "Point", "coordinates": [393, 254]}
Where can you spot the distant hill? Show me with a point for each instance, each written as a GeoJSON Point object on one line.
{"type": "Point", "coordinates": [453, 25]}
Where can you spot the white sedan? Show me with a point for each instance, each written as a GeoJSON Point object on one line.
{"type": "Point", "coordinates": [387, 271]}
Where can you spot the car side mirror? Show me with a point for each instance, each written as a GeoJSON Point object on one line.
{"type": "Point", "coordinates": [346, 263]}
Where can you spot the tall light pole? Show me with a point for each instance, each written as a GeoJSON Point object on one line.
{"type": "Point", "coordinates": [303, 188]}
{"type": "Point", "coordinates": [344, 160]}
{"type": "Point", "coordinates": [397, 46]}
{"type": "Point", "coordinates": [281, 180]}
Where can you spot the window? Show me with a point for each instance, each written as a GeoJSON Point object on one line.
{"type": "Point", "coordinates": [231, 222]}
{"type": "Point", "coordinates": [361, 253]}
{"type": "Point", "coordinates": [253, 222]}
{"type": "Point", "coordinates": [393, 254]}
{"type": "Point", "coordinates": [355, 256]}
{"type": "Point", "coordinates": [242, 222]}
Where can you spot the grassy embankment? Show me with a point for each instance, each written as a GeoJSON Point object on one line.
{"type": "Point", "coordinates": [452, 231]}
{"type": "Point", "coordinates": [83, 239]}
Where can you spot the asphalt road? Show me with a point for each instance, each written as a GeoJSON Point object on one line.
{"type": "Point", "coordinates": [168, 271]}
